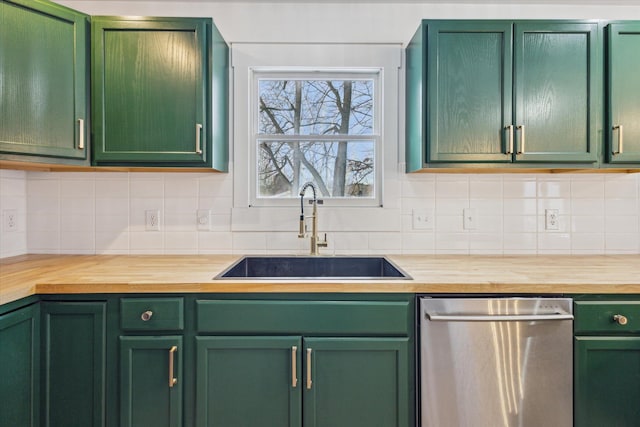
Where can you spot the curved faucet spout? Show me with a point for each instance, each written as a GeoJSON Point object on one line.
{"type": "Point", "coordinates": [304, 189]}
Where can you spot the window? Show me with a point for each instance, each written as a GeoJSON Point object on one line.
{"type": "Point", "coordinates": [263, 163]}
{"type": "Point", "coordinates": [316, 126]}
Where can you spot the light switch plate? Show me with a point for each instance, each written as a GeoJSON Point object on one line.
{"type": "Point", "coordinates": [470, 218]}
{"type": "Point", "coordinates": [422, 219]}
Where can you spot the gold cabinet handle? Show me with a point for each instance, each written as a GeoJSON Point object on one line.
{"type": "Point", "coordinates": [198, 135]}
{"type": "Point", "coordinates": [522, 140]}
{"type": "Point", "coordinates": [172, 379]}
{"type": "Point", "coordinates": [146, 316]}
{"type": "Point", "coordinates": [309, 382]}
{"type": "Point", "coordinates": [620, 319]}
{"type": "Point", "coordinates": [80, 134]}
{"type": "Point", "coordinates": [620, 130]}
{"type": "Point", "coordinates": [510, 140]}
{"type": "Point", "coordinates": [294, 367]}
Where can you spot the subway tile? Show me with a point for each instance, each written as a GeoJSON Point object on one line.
{"type": "Point", "coordinates": [147, 188]}
{"type": "Point", "coordinates": [146, 242]}
{"type": "Point", "coordinates": [554, 188]}
{"type": "Point", "coordinates": [183, 241]}
{"type": "Point", "coordinates": [520, 223]}
{"type": "Point", "coordinates": [580, 207]}
{"type": "Point", "coordinates": [382, 241]}
{"type": "Point", "coordinates": [519, 187]}
{"type": "Point", "coordinates": [621, 186]}
{"type": "Point", "coordinates": [451, 188]}
{"type": "Point", "coordinates": [587, 189]}
{"type": "Point", "coordinates": [622, 224]}
{"type": "Point", "coordinates": [112, 242]}
{"type": "Point", "coordinates": [621, 242]}
{"type": "Point", "coordinates": [520, 242]}
{"type": "Point", "coordinates": [587, 241]}
{"type": "Point", "coordinates": [588, 224]}
{"type": "Point", "coordinates": [554, 241]}
{"type": "Point", "coordinates": [485, 188]}
{"type": "Point", "coordinates": [520, 207]}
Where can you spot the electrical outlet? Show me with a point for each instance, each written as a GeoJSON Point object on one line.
{"type": "Point", "coordinates": [422, 219]}
{"type": "Point", "coordinates": [152, 220]}
{"type": "Point", "coordinates": [470, 218]}
{"type": "Point", "coordinates": [203, 219]}
{"type": "Point", "coordinates": [10, 220]}
{"type": "Point", "coordinates": [551, 219]}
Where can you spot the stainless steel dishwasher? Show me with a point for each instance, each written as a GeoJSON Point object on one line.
{"type": "Point", "coordinates": [496, 362]}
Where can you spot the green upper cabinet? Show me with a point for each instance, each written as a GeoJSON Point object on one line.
{"type": "Point", "coordinates": [153, 81]}
{"type": "Point", "coordinates": [19, 368]}
{"type": "Point", "coordinates": [43, 82]}
{"type": "Point", "coordinates": [481, 93]}
{"type": "Point", "coordinates": [623, 92]}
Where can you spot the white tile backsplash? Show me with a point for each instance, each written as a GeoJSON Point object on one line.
{"type": "Point", "coordinates": [104, 213]}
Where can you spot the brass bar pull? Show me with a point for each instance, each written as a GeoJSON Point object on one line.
{"type": "Point", "coordinates": [510, 140]}
{"type": "Point", "coordinates": [522, 140]}
{"type": "Point", "coordinates": [80, 134]}
{"type": "Point", "coordinates": [294, 367]}
{"type": "Point", "coordinates": [309, 382]}
{"type": "Point", "coordinates": [172, 379]}
{"type": "Point", "coordinates": [620, 130]}
{"type": "Point", "coordinates": [198, 135]}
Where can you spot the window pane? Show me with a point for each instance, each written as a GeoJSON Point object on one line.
{"type": "Point", "coordinates": [338, 169]}
{"type": "Point", "coordinates": [316, 107]}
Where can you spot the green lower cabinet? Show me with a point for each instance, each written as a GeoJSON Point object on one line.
{"type": "Point", "coordinates": [151, 381]}
{"type": "Point", "coordinates": [356, 382]}
{"type": "Point", "coordinates": [607, 381]}
{"type": "Point", "coordinates": [19, 368]}
{"type": "Point", "coordinates": [73, 364]}
{"type": "Point", "coordinates": [267, 381]}
{"type": "Point", "coordinates": [248, 381]}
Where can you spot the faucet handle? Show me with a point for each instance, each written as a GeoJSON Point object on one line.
{"type": "Point", "coordinates": [302, 231]}
{"type": "Point", "coordinates": [323, 243]}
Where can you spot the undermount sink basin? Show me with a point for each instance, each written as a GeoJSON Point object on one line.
{"type": "Point", "coordinates": [313, 267]}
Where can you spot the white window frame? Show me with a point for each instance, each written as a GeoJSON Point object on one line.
{"type": "Point", "coordinates": [246, 56]}
{"type": "Point", "coordinates": [307, 73]}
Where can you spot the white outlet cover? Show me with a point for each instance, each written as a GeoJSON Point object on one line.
{"type": "Point", "coordinates": [9, 220]}
{"type": "Point", "coordinates": [152, 220]}
{"type": "Point", "coordinates": [203, 219]}
{"type": "Point", "coordinates": [551, 219]}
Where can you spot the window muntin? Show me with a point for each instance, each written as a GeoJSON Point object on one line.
{"type": "Point", "coordinates": [321, 127]}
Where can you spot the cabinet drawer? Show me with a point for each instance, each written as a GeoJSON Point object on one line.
{"type": "Point", "coordinates": [389, 318]}
{"type": "Point", "coordinates": [600, 316]}
{"type": "Point", "coordinates": [152, 314]}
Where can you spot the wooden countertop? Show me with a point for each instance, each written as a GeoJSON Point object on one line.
{"type": "Point", "coordinates": [77, 274]}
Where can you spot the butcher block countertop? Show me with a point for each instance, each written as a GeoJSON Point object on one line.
{"type": "Point", "coordinates": [86, 274]}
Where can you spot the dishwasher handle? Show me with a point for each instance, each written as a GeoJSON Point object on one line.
{"type": "Point", "coordinates": [497, 317]}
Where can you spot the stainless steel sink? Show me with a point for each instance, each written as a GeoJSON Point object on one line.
{"type": "Point", "coordinates": [313, 267]}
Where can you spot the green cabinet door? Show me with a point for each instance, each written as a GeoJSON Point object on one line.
{"type": "Point", "coordinates": [151, 381]}
{"type": "Point", "coordinates": [357, 382]}
{"type": "Point", "coordinates": [19, 368]}
{"type": "Point", "coordinates": [248, 381]}
{"type": "Point", "coordinates": [607, 381]}
{"type": "Point", "coordinates": [623, 93]}
{"type": "Point", "coordinates": [43, 81]}
{"type": "Point", "coordinates": [73, 363]}
{"type": "Point", "coordinates": [468, 91]}
{"type": "Point", "coordinates": [152, 91]}
{"type": "Point", "coordinates": [487, 93]}
{"type": "Point", "coordinates": [556, 92]}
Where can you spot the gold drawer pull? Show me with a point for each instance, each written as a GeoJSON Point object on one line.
{"type": "Point", "coordinates": [146, 316]}
{"type": "Point", "coordinates": [309, 382]}
{"type": "Point", "coordinates": [172, 380]}
{"type": "Point", "coordinates": [620, 319]}
{"type": "Point", "coordinates": [294, 367]}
